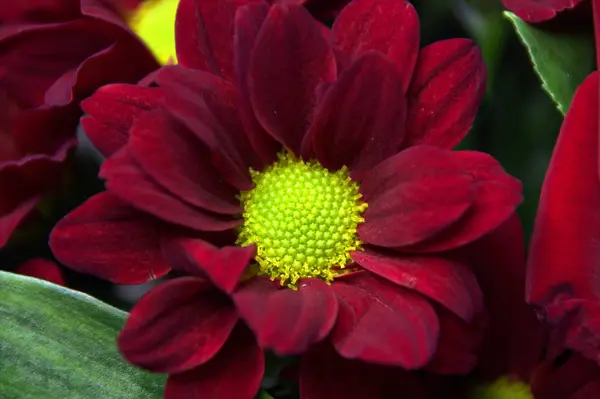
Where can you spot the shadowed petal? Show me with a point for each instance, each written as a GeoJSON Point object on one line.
{"type": "Point", "coordinates": [445, 93]}
{"type": "Point", "coordinates": [43, 269]}
{"type": "Point", "coordinates": [379, 322]}
{"type": "Point", "coordinates": [178, 325]}
{"type": "Point", "coordinates": [360, 121]}
{"type": "Point", "coordinates": [10, 220]}
{"type": "Point", "coordinates": [290, 59]}
{"type": "Point", "coordinates": [388, 26]}
{"type": "Point", "coordinates": [447, 282]}
{"type": "Point", "coordinates": [111, 111]}
{"type": "Point", "coordinates": [284, 320]}
{"type": "Point", "coordinates": [239, 360]}
{"type": "Point", "coordinates": [109, 239]}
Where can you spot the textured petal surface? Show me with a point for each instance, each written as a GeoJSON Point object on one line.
{"type": "Point", "coordinates": [224, 266]}
{"type": "Point", "coordinates": [360, 121]}
{"type": "Point", "coordinates": [111, 111]}
{"type": "Point", "coordinates": [290, 59]}
{"type": "Point", "coordinates": [284, 320]}
{"type": "Point", "coordinates": [178, 161]}
{"type": "Point", "coordinates": [379, 322]}
{"type": "Point", "coordinates": [43, 269]}
{"type": "Point", "coordinates": [126, 180]}
{"type": "Point", "coordinates": [234, 373]}
{"type": "Point", "coordinates": [445, 93]}
{"type": "Point", "coordinates": [388, 26]}
{"type": "Point", "coordinates": [449, 283]}
{"type": "Point", "coordinates": [178, 325]}
{"type": "Point", "coordinates": [538, 10]}
{"type": "Point", "coordinates": [414, 195]}
{"type": "Point", "coordinates": [108, 239]}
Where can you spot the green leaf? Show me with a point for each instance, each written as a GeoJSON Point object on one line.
{"type": "Point", "coordinates": [59, 343]}
{"type": "Point", "coordinates": [561, 59]}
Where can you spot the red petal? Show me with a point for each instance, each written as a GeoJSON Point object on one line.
{"type": "Point", "coordinates": [10, 220]}
{"type": "Point", "coordinates": [538, 10]}
{"type": "Point", "coordinates": [179, 162]}
{"type": "Point", "coordinates": [382, 323]}
{"type": "Point", "coordinates": [564, 252]}
{"type": "Point", "coordinates": [560, 378]}
{"type": "Point", "coordinates": [445, 93]}
{"type": "Point", "coordinates": [43, 269]}
{"type": "Point", "coordinates": [224, 266]}
{"type": "Point", "coordinates": [111, 111]}
{"type": "Point", "coordinates": [388, 26]}
{"type": "Point", "coordinates": [360, 121]}
{"type": "Point", "coordinates": [234, 373]}
{"type": "Point", "coordinates": [126, 180]}
{"type": "Point", "coordinates": [248, 21]}
{"type": "Point", "coordinates": [178, 325]}
{"type": "Point", "coordinates": [204, 35]}
{"type": "Point", "coordinates": [449, 283]}
{"type": "Point", "coordinates": [404, 196]}
{"type": "Point", "coordinates": [206, 105]}
{"type": "Point", "coordinates": [284, 320]}
{"type": "Point", "coordinates": [497, 196]}
{"type": "Point", "coordinates": [290, 59]}
{"type": "Point", "coordinates": [109, 239]}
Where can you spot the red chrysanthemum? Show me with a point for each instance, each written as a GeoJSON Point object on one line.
{"type": "Point", "coordinates": [307, 174]}
{"type": "Point", "coordinates": [539, 10]}
{"type": "Point", "coordinates": [564, 252]}
{"type": "Point", "coordinates": [53, 53]}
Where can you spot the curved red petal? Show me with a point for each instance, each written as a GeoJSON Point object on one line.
{"type": "Point", "coordinates": [445, 93]}
{"type": "Point", "coordinates": [381, 323]}
{"type": "Point", "coordinates": [291, 57]}
{"type": "Point", "coordinates": [533, 11]}
{"type": "Point", "coordinates": [43, 269]}
{"type": "Point", "coordinates": [111, 111]}
{"type": "Point", "coordinates": [11, 219]}
{"type": "Point", "coordinates": [234, 373]}
{"type": "Point", "coordinates": [176, 326]}
{"type": "Point", "coordinates": [284, 320]}
{"type": "Point", "coordinates": [387, 26]}
{"type": "Point", "coordinates": [360, 120]}
{"type": "Point", "coordinates": [107, 238]}
{"type": "Point", "coordinates": [447, 282]}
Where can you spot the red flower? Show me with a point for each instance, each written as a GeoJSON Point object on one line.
{"type": "Point", "coordinates": [45, 70]}
{"type": "Point", "coordinates": [42, 269]}
{"type": "Point", "coordinates": [205, 171]}
{"type": "Point", "coordinates": [564, 252]}
{"type": "Point", "coordinates": [539, 10]}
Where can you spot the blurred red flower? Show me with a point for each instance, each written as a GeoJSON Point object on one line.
{"type": "Point", "coordinates": [52, 54]}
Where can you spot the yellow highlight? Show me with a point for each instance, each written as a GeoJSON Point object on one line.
{"type": "Point", "coordinates": [503, 388]}
{"type": "Point", "coordinates": [154, 23]}
{"type": "Point", "coordinates": [303, 220]}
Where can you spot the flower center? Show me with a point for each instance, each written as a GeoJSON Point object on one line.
{"type": "Point", "coordinates": [154, 23]}
{"type": "Point", "coordinates": [303, 220]}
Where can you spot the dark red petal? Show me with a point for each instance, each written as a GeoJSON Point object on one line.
{"type": "Point", "coordinates": [108, 239]}
{"type": "Point", "coordinates": [204, 35]}
{"type": "Point", "coordinates": [413, 196]}
{"type": "Point", "coordinates": [224, 266]}
{"type": "Point", "coordinates": [290, 59]}
{"type": "Point", "coordinates": [178, 325]}
{"type": "Point", "coordinates": [458, 347]}
{"type": "Point", "coordinates": [10, 220]}
{"type": "Point", "coordinates": [43, 269]}
{"type": "Point", "coordinates": [388, 26]}
{"type": "Point", "coordinates": [445, 93]}
{"type": "Point", "coordinates": [557, 378]}
{"type": "Point", "coordinates": [324, 375]}
{"type": "Point", "coordinates": [379, 322]}
{"type": "Point", "coordinates": [248, 21]}
{"type": "Point", "coordinates": [126, 180]}
{"type": "Point", "coordinates": [360, 120]}
{"type": "Point", "coordinates": [172, 156]}
{"type": "Point", "coordinates": [285, 320]}
{"type": "Point", "coordinates": [111, 111]}
{"type": "Point", "coordinates": [538, 10]}
{"type": "Point", "coordinates": [447, 282]}
{"type": "Point", "coordinates": [234, 373]}
{"type": "Point", "coordinates": [497, 196]}
{"type": "Point", "coordinates": [206, 105]}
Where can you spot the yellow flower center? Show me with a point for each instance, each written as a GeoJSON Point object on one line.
{"type": "Point", "coordinates": [154, 23]}
{"type": "Point", "coordinates": [303, 220]}
{"type": "Point", "coordinates": [503, 388]}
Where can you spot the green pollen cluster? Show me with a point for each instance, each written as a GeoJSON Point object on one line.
{"type": "Point", "coordinates": [303, 220]}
